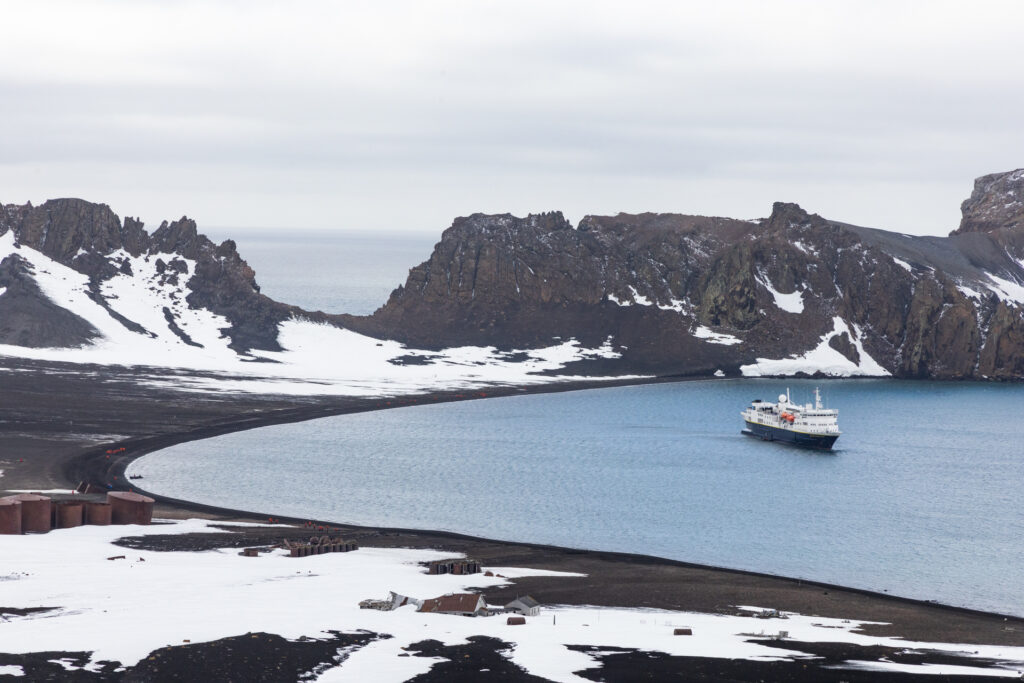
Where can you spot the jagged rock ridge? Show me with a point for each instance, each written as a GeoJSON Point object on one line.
{"type": "Point", "coordinates": [662, 294]}
{"type": "Point", "coordinates": [691, 294]}
{"type": "Point", "coordinates": [90, 239]}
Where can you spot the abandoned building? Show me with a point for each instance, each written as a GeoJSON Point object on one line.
{"type": "Point", "coordinates": [465, 604]}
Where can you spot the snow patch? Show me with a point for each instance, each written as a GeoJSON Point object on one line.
{"type": "Point", "coordinates": [1006, 290]}
{"type": "Point", "coordinates": [678, 305]}
{"type": "Point", "coordinates": [719, 373]}
{"type": "Point", "coordinates": [639, 298]}
{"type": "Point", "coordinates": [902, 264]}
{"type": "Point", "coordinates": [823, 358]}
{"type": "Point", "coordinates": [712, 337]}
{"type": "Point", "coordinates": [11, 670]}
{"type": "Point", "coordinates": [968, 292]}
{"type": "Point", "coordinates": [791, 303]}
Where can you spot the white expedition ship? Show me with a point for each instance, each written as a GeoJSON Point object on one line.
{"type": "Point", "coordinates": [813, 426]}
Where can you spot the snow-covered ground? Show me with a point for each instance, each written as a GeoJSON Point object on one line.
{"type": "Point", "coordinates": [318, 358]}
{"type": "Point", "coordinates": [822, 358]}
{"type": "Point", "coordinates": [121, 610]}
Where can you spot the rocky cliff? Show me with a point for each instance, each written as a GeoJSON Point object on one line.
{"type": "Point", "coordinates": [692, 295]}
{"type": "Point", "coordinates": [90, 239]}
{"type": "Point", "coordinates": [662, 294]}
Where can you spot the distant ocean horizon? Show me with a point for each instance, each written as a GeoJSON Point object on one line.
{"type": "Point", "coordinates": [334, 271]}
{"type": "Point", "coordinates": [922, 497]}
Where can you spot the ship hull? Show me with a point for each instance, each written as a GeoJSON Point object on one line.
{"type": "Point", "coordinates": [768, 433]}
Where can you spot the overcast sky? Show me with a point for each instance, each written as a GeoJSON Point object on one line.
{"type": "Point", "coordinates": [402, 115]}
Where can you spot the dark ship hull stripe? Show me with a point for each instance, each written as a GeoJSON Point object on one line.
{"type": "Point", "coordinates": [823, 441]}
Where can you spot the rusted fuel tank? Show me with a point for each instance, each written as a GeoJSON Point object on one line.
{"type": "Point", "coordinates": [67, 514]}
{"type": "Point", "coordinates": [97, 514]}
{"type": "Point", "coordinates": [10, 516]}
{"type": "Point", "coordinates": [35, 512]}
{"type": "Point", "coordinates": [130, 508]}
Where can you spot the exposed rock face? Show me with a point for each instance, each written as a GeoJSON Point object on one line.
{"type": "Point", "coordinates": [996, 203]}
{"type": "Point", "coordinates": [28, 318]}
{"type": "Point", "coordinates": [87, 238]}
{"type": "Point", "coordinates": [672, 291]}
{"type": "Point", "coordinates": [673, 294]}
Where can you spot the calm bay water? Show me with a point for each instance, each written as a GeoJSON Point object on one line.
{"type": "Point", "coordinates": [923, 496]}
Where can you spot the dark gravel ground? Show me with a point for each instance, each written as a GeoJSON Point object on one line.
{"type": "Point", "coordinates": [56, 422]}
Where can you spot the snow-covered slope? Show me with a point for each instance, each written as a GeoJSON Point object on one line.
{"type": "Point", "coordinates": [133, 329]}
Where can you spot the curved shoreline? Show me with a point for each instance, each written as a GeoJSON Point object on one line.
{"type": "Point", "coordinates": [93, 467]}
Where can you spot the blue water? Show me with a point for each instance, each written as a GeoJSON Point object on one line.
{"type": "Point", "coordinates": [922, 496]}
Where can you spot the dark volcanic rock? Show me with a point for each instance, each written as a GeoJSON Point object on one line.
{"type": "Point", "coordinates": [919, 306]}
{"type": "Point", "coordinates": [996, 203]}
{"type": "Point", "coordinates": [28, 318]}
{"type": "Point", "coordinates": [670, 294]}
{"type": "Point", "coordinates": [86, 236]}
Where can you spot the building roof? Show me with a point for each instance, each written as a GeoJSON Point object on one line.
{"type": "Point", "coordinates": [525, 601]}
{"type": "Point", "coordinates": [457, 602]}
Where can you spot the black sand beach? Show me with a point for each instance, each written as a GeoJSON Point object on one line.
{"type": "Point", "coordinates": [58, 422]}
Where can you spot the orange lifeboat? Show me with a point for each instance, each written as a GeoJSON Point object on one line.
{"type": "Point", "coordinates": [788, 417]}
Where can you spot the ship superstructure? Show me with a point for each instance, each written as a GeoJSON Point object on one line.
{"type": "Point", "coordinates": [813, 426]}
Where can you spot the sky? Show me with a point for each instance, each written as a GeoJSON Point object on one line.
{"type": "Point", "coordinates": [403, 115]}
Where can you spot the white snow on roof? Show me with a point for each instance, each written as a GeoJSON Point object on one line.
{"type": "Point", "coordinates": [317, 358]}
{"type": "Point", "coordinates": [791, 303]}
{"type": "Point", "coordinates": [823, 358]}
{"type": "Point", "coordinates": [122, 610]}
{"type": "Point", "coordinates": [712, 337]}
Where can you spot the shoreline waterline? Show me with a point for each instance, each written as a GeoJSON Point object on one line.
{"type": "Point", "coordinates": [140, 447]}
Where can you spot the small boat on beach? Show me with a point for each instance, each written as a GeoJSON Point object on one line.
{"type": "Point", "coordinates": [811, 426]}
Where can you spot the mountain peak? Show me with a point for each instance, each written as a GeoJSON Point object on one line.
{"type": "Point", "coordinates": [996, 203]}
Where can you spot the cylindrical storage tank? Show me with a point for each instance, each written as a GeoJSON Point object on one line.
{"type": "Point", "coordinates": [97, 514]}
{"type": "Point", "coordinates": [130, 508]}
{"type": "Point", "coordinates": [67, 515]}
{"type": "Point", "coordinates": [35, 512]}
{"type": "Point", "coordinates": [10, 516]}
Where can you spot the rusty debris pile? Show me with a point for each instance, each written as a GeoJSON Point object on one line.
{"type": "Point", "coordinates": [34, 513]}
{"type": "Point", "coordinates": [318, 545]}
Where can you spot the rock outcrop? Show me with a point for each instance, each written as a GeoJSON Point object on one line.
{"type": "Point", "coordinates": [690, 295]}
{"type": "Point", "coordinates": [89, 237]}
{"type": "Point", "coordinates": [669, 294]}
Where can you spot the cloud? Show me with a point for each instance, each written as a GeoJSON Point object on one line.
{"type": "Point", "coordinates": [406, 114]}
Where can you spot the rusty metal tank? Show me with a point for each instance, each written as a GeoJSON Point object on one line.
{"type": "Point", "coordinates": [10, 516]}
{"type": "Point", "coordinates": [35, 512]}
{"type": "Point", "coordinates": [67, 514]}
{"type": "Point", "coordinates": [97, 514]}
{"type": "Point", "coordinates": [130, 508]}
